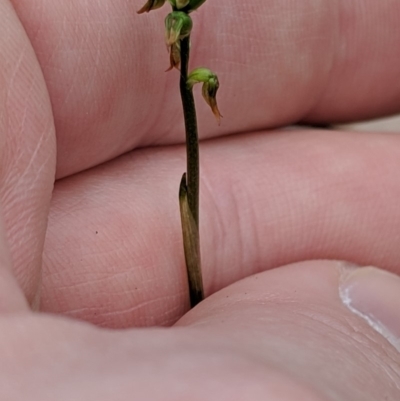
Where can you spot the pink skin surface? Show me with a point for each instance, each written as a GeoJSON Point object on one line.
{"type": "Point", "coordinates": [89, 224]}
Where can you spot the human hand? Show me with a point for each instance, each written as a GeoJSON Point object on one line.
{"type": "Point", "coordinates": [92, 72]}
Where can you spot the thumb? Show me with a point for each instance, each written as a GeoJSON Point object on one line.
{"type": "Point", "coordinates": [332, 327]}
{"type": "Point", "coordinates": [374, 295]}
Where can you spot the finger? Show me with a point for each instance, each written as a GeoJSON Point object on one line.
{"type": "Point", "coordinates": [28, 151]}
{"type": "Point", "coordinates": [104, 365]}
{"type": "Point", "coordinates": [12, 298]}
{"type": "Point", "coordinates": [278, 63]}
{"type": "Point", "coordinates": [114, 254]}
{"type": "Point", "coordinates": [282, 335]}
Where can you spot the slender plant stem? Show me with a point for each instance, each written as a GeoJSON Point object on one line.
{"type": "Point", "coordinates": [192, 141]}
{"type": "Point", "coordinates": [189, 190]}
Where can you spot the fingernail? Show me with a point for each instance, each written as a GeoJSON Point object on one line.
{"type": "Point", "coordinates": [374, 295]}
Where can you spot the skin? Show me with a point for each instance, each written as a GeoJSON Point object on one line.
{"type": "Point", "coordinates": [84, 100]}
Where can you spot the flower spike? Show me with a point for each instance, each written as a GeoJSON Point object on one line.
{"type": "Point", "coordinates": [178, 27]}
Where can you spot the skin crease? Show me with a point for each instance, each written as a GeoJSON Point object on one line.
{"type": "Point", "coordinates": [92, 73]}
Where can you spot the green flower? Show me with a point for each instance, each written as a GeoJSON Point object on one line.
{"type": "Point", "coordinates": [178, 25]}
{"type": "Point", "coordinates": [210, 87]}
{"type": "Point", "coordinates": [151, 5]}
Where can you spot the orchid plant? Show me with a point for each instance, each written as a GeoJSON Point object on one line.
{"type": "Point", "coordinates": [178, 27]}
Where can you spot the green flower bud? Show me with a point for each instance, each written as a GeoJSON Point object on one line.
{"type": "Point", "coordinates": [186, 5]}
{"type": "Point", "coordinates": [210, 87]}
{"type": "Point", "coordinates": [178, 25]}
{"type": "Point", "coordinates": [151, 5]}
